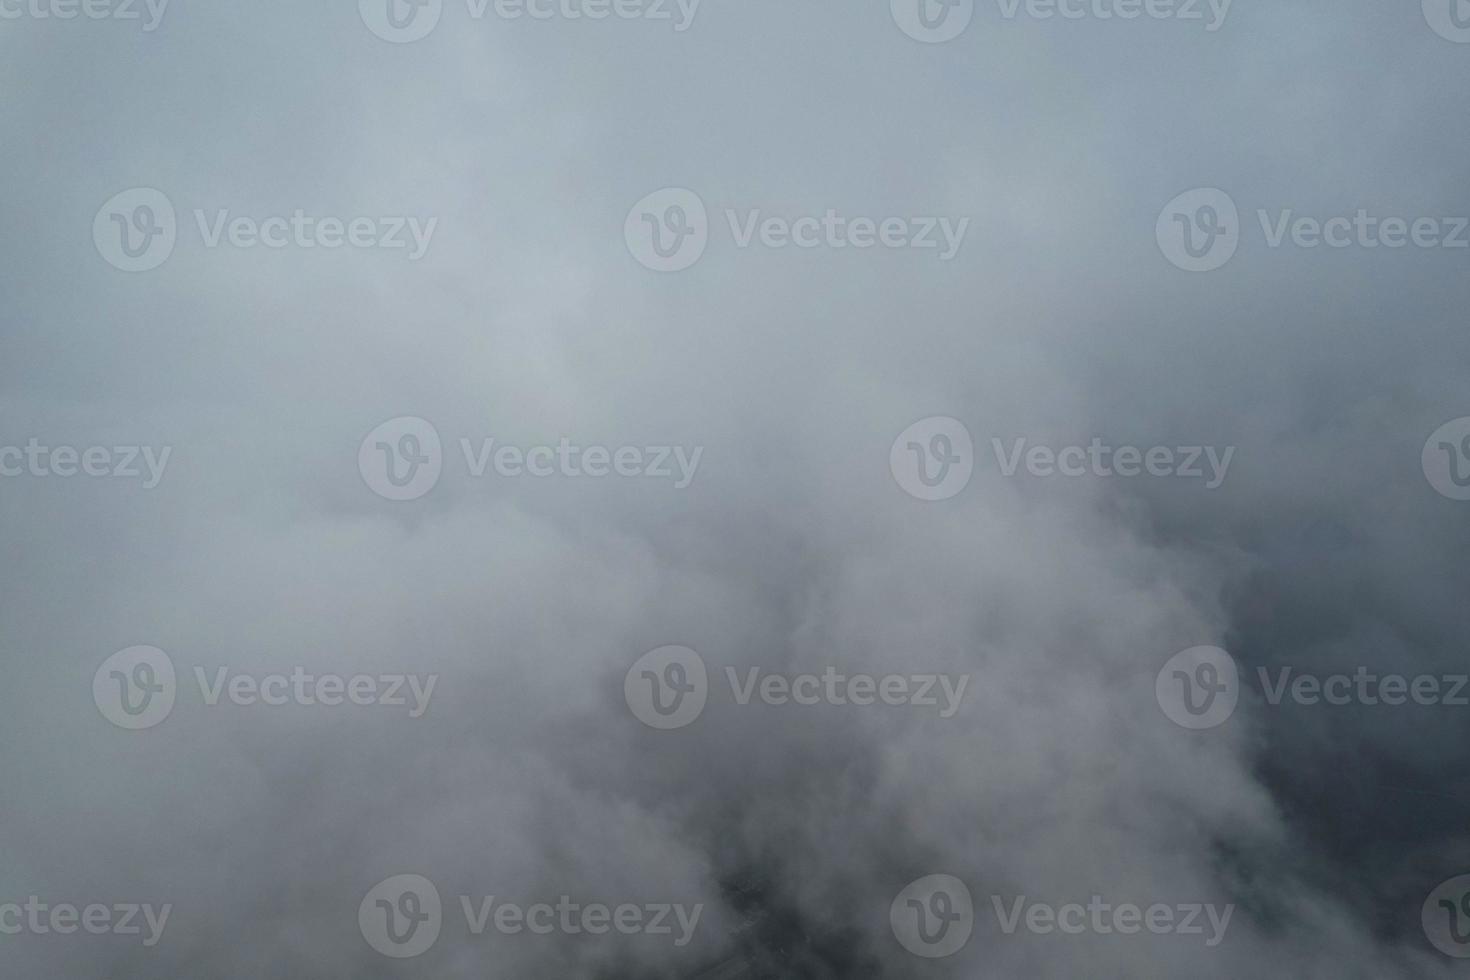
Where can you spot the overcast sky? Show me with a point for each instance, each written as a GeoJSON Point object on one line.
{"type": "Point", "coordinates": [829, 471]}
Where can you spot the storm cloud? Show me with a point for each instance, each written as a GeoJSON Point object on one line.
{"type": "Point", "coordinates": [375, 277]}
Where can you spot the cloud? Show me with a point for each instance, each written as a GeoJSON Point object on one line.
{"type": "Point", "coordinates": [529, 321]}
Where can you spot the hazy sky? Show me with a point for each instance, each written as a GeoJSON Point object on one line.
{"type": "Point", "coordinates": [780, 504]}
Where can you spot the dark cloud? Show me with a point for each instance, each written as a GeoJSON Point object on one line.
{"type": "Point", "coordinates": [794, 550]}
